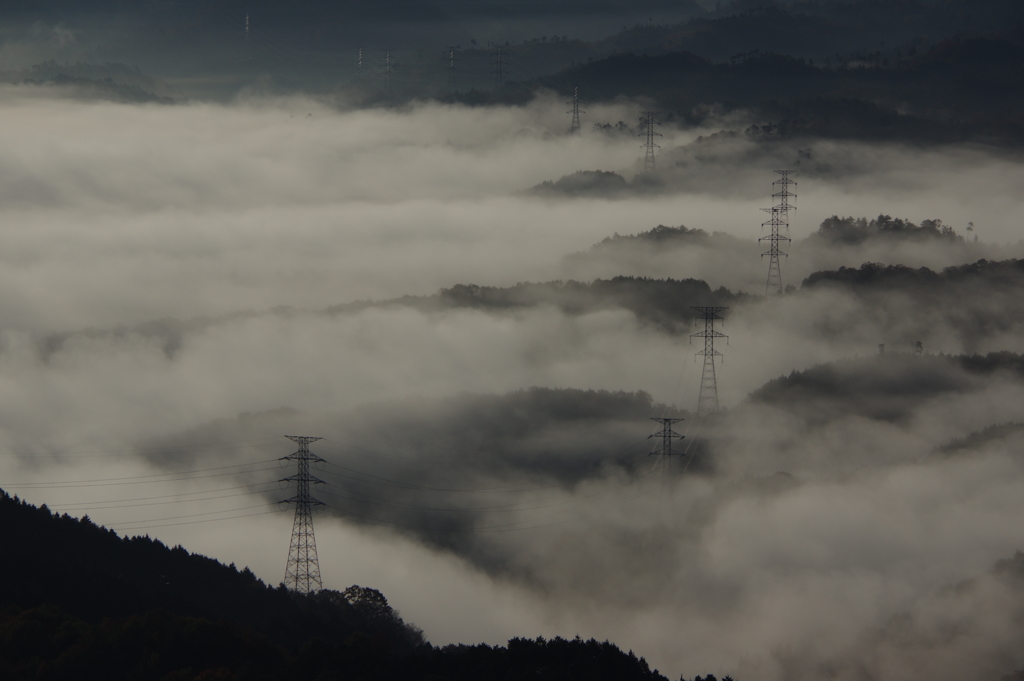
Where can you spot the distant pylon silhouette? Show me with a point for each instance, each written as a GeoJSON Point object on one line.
{"type": "Point", "coordinates": [707, 401]}
{"type": "Point", "coordinates": [575, 127]}
{"type": "Point", "coordinates": [667, 435]}
{"type": "Point", "coordinates": [302, 572]}
{"type": "Point", "coordinates": [649, 122]}
{"type": "Point", "coordinates": [779, 220]}
{"type": "Point", "coordinates": [451, 69]}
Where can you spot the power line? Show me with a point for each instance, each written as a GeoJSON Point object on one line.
{"type": "Point", "coordinates": [91, 505]}
{"type": "Point", "coordinates": [389, 482]}
{"type": "Point", "coordinates": [118, 528]}
{"type": "Point", "coordinates": [202, 447]}
{"type": "Point", "coordinates": [191, 515]}
{"type": "Point", "coordinates": [139, 479]}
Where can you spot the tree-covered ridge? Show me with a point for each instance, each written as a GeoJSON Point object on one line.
{"type": "Point", "coordinates": [886, 387]}
{"type": "Point", "coordinates": [849, 230]}
{"type": "Point", "coordinates": [592, 183]}
{"type": "Point", "coordinates": [542, 659]}
{"type": "Point", "coordinates": [45, 643]}
{"type": "Point", "coordinates": [658, 235]}
{"type": "Point", "coordinates": [90, 572]}
{"type": "Point", "coordinates": [665, 303]}
{"type": "Point", "coordinates": [991, 276]}
{"type": "Point", "coordinates": [88, 604]}
{"type": "Point", "coordinates": [834, 231]}
{"type": "Point", "coordinates": [960, 88]}
{"type": "Point", "coordinates": [980, 438]}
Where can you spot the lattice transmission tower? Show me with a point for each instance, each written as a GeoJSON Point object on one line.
{"type": "Point", "coordinates": [667, 436]}
{"type": "Point", "coordinates": [778, 221]}
{"type": "Point", "coordinates": [499, 69]}
{"type": "Point", "coordinates": [649, 122]}
{"type": "Point", "coordinates": [575, 111]}
{"type": "Point", "coordinates": [707, 402]}
{"type": "Point", "coordinates": [387, 71]}
{"type": "Point", "coordinates": [451, 68]}
{"type": "Point", "coordinates": [302, 572]}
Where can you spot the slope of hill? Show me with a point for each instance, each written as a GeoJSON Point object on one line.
{"type": "Point", "coordinates": [663, 303]}
{"type": "Point", "coordinates": [935, 96]}
{"type": "Point", "coordinates": [92, 573]}
{"type": "Point", "coordinates": [89, 604]}
{"type": "Point", "coordinates": [888, 387]}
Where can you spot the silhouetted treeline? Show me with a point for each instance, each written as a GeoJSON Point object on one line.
{"type": "Point", "coordinates": [556, 659]}
{"type": "Point", "coordinates": [958, 89]}
{"type": "Point", "coordinates": [848, 230]}
{"type": "Point", "coordinates": [834, 230]}
{"type": "Point", "coordinates": [114, 82]}
{"type": "Point", "coordinates": [666, 303]}
{"type": "Point", "coordinates": [977, 302]}
{"type": "Point", "coordinates": [984, 275]}
{"type": "Point", "coordinates": [595, 183]}
{"type": "Point", "coordinates": [887, 387]}
{"type": "Point", "coordinates": [47, 644]}
{"type": "Point", "coordinates": [80, 602]}
{"type": "Point", "coordinates": [980, 438]}
{"type": "Point", "coordinates": [91, 573]}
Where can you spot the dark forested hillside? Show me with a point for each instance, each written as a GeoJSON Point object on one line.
{"type": "Point", "coordinates": [960, 88]}
{"type": "Point", "coordinates": [888, 387]}
{"type": "Point", "coordinates": [977, 301]}
{"type": "Point", "coordinates": [665, 303]}
{"type": "Point", "coordinates": [92, 573]}
{"type": "Point", "coordinates": [81, 602]}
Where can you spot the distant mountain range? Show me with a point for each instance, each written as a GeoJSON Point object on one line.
{"type": "Point", "coordinates": [909, 70]}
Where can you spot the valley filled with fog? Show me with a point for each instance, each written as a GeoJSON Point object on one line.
{"type": "Point", "coordinates": [183, 285]}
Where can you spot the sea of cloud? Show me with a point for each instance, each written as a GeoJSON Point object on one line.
{"type": "Point", "coordinates": [167, 267]}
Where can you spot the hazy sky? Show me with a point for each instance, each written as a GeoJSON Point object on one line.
{"type": "Point", "coordinates": [123, 226]}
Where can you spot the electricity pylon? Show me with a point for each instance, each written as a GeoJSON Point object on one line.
{"type": "Point", "coordinates": [499, 69]}
{"type": "Point", "coordinates": [575, 103]}
{"type": "Point", "coordinates": [360, 72]}
{"type": "Point", "coordinates": [649, 122]}
{"type": "Point", "coordinates": [302, 572]}
{"type": "Point", "coordinates": [387, 71]}
{"type": "Point", "coordinates": [667, 435]}
{"type": "Point", "coordinates": [451, 68]}
{"type": "Point", "coordinates": [779, 220]}
{"type": "Point", "coordinates": [707, 401]}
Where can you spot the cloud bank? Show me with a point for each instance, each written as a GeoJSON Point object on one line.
{"type": "Point", "coordinates": [166, 277]}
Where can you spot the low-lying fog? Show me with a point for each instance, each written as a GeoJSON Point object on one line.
{"type": "Point", "coordinates": [149, 253]}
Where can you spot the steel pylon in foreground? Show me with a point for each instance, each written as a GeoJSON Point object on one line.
{"type": "Point", "coordinates": [302, 572]}
{"type": "Point", "coordinates": [778, 221]}
{"type": "Point", "coordinates": [707, 401]}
